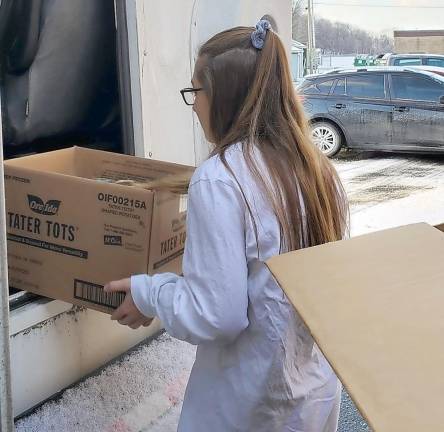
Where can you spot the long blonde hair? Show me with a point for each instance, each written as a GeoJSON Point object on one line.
{"type": "Point", "coordinates": [253, 101]}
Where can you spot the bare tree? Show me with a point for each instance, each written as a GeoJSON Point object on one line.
{"type": "Point", "coordinates": [338, 38]}
{"type": "Point", "coordinates": [299, 22]}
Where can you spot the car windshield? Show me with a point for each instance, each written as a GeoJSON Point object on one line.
{"type": "Point", "coordinates": [438, 62]}
{"type": "Point", "coordinates": [407, 61]}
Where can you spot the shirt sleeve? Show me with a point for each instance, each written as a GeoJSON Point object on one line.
{"type": "Point", "coordinates": [209, 303]}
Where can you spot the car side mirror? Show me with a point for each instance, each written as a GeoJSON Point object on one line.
{"type": "Point", "coordinates": [441, 100]}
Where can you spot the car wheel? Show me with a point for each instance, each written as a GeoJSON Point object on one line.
{"type": "Point", "coordinates": [327, 137]}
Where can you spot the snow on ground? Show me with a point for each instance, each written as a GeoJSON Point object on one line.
{"type": "Point", "coordinates": [143, 391]}
{"type": "Point", "coordinates": [389, 191]}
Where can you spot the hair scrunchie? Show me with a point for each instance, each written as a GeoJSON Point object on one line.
{"type": "Point", "coordinates": [258, 35]}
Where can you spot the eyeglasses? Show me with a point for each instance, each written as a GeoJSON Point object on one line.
{"type": "Point", "coordinates": [189, 95]}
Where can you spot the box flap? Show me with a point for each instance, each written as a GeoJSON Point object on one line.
{"type": "Point", "coordinates": [91, 164]}
{"type": "Point", "coordinates": [96, 163]}
{"type": "Point", "coordinates": [375, 306]}
{"type": "Point", "coordinates": [58, 162]}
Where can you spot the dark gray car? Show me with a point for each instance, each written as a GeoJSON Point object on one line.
{"type": "Point", "coordinates": [389, 109]}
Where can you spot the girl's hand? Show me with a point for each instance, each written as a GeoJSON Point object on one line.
{"type": "Point", "coordinates": [127, 313]}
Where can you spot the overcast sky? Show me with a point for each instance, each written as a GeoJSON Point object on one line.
{"type": "Point", "coordinates": [392, 15]}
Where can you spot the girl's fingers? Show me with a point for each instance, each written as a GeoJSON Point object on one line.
{"type": "Point", "coordinates": [147, 322]}
{"type": "Point", "coordinates": [138, 323]}
{"type": "Point", "coordinates": [123, 285]}
{"type": "Point", "coordinates": [118, 314]}
{"type": "Point", "coordinates": [135, 320]}
{"type": "Point", "coordinates": [135, 325]}
{"type": "Point", "coordinates": [123, 310]}
{"type": "Point", "coordinates": [130, 320]}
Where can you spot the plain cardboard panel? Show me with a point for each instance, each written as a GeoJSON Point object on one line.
{"type": "Point", "coordinates": [375, 306]}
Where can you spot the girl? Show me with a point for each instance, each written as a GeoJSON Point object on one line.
{"type": "Point", "coordinates": [265, 190]}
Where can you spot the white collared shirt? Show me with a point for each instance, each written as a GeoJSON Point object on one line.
{"type": "Point", "coordinates": [257, 367]}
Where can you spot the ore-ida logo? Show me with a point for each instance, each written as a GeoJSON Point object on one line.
{"type": "Point", "coordinates": [37, 205]}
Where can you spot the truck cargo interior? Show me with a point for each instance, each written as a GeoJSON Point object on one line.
{"type": "Point", "coordinates": [64, 80]}
{"type": "Point", "coordinates": [100, 75]}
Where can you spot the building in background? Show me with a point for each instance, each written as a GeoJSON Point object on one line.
{"type": "Point", "coordinates": [298, 55]}
{"type": "Point", "coordinates": [419, 41]}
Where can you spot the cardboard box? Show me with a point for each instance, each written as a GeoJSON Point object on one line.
{"type": "Point", "coordinates": [69, 234]}
{"type": "Point", "coordinates": [375, 306]}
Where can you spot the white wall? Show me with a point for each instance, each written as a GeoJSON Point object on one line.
{"type": "Point", "coordinates": [54, 345]}
{"type": "Point", "coordinates": [169, 35]}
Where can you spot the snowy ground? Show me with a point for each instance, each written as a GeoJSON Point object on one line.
{"type": "Point", "coordinates": [140, 392]}
{"type": "Point", "coordinates": [143, 390]}
{"type": "Point", "coordinates": [387, 191]}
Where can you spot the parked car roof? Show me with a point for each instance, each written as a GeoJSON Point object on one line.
{"type": "Point", "coordinates": [413, 55]}
{"type": "Point", "coordinates": [433, 69]}
{"type": "Point", "coordinates": [424, 70]}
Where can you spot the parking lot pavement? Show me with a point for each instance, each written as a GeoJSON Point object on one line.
{"type": "Point", "coordinates": [143, 391]}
